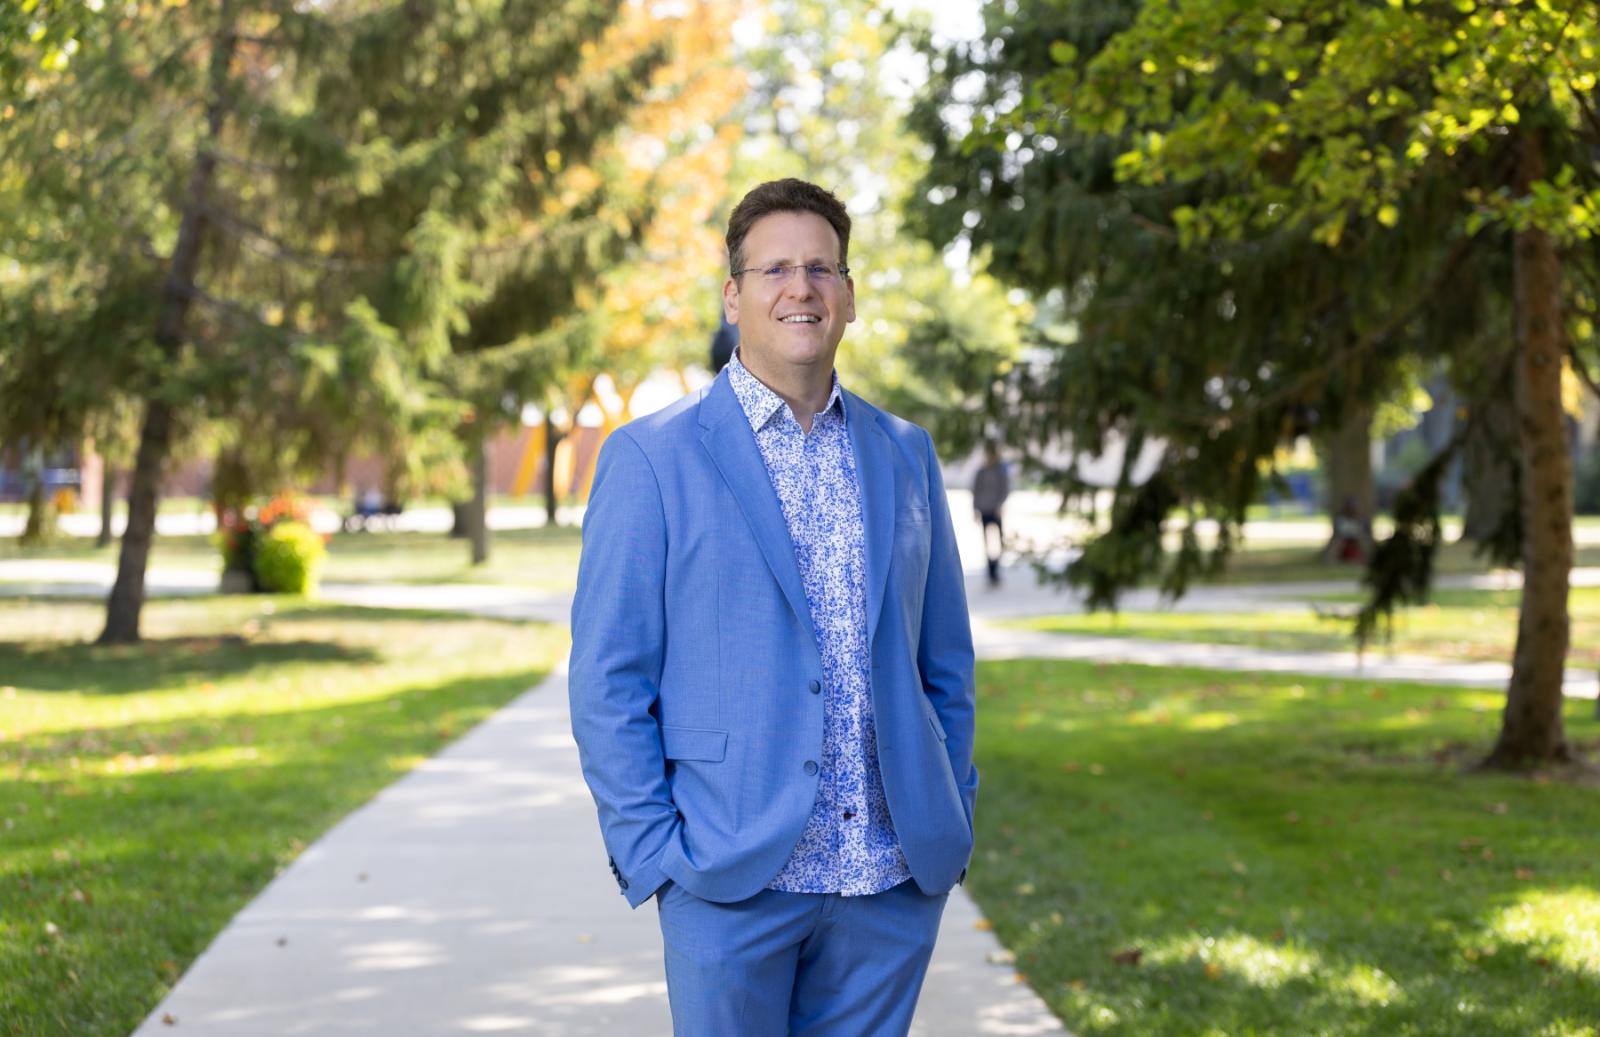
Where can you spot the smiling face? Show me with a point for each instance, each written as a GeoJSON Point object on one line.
{"type": "Point", "coordinates": [794, 326]}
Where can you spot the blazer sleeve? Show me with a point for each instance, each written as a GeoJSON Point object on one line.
{"type": "Point", "coordinates": [618, 638]}
{"type": "Point", "coordinates": [944, 650]}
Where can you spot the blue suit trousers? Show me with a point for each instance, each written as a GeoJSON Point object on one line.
{"type": "Point", "coordinates": [797, 964]}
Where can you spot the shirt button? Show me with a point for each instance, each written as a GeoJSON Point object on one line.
{"type": "Point", "coordinates": [816, 687]}
{"type": "Point", "coordinates": [811, 766]}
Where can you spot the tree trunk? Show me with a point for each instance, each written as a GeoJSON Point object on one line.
{"type": "Point", "coordinates": [479, 512]}
{"type": "Point", "coordinates": [1352, 492]}
{"type": "Point", "coordinates": [108, 493]}
{"type": "Point", "coordinates": [40, 526]}
{"type": "Point", "coordinates": [231, 481]}
{"type": "Point", "coordinates": [1531, 730]}
{"type": "Point", "coordinates": [552, 438]}
{"type": "Point", "coordinates": [1491, 468]}
{"type": "Point", "coordinates": [126, 601]}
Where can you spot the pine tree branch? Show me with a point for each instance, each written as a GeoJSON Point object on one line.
{"type": "Point", "coordinates": [240, 162]}
{"type": "Point", "coordinates": [1306, 379]}
{"type": "Point", "coordinates": [273, 247]}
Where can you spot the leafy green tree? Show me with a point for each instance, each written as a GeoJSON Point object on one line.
{"type": "Point", "coordinates": [1218, 354]}
{"type": "Point", "coordinates": [348, 216]}
{"type": "Point", "coordinates": [1421, 148]}
{"type": "Point", "coordinates": [39, 37]}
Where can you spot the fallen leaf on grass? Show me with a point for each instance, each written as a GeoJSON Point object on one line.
{"type": "Point", "coordinates": [1496, 808]}
{"type": "Point", "coordinates": [1130, 956]}
{"type": "Point", "coordinates": [1213, 970]}
{"type": "Point", "coordinates": [1525, 874]}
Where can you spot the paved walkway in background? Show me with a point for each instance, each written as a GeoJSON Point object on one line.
{"type": "Point", "coordinates": [1020, 597]}
{"type": "Point", "coordinates": [472, 897]}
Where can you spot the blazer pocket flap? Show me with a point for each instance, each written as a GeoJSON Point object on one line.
{"type": "Point", "coordinates": [938, 728]}
{"type": "Point", "coordinates": [913, 515]}
{"type": "Point", "coordinates": [693, 743]}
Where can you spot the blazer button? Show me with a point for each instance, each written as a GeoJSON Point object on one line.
{"type": "Point", "coordinates": [811, 766]}
{"type": "Point", "coordinates": [624, 883]}
{"type": "Point", "coordinates": [816, 687]}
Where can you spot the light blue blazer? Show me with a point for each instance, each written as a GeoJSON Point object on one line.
{"type": "Point", "coordinates": [695, 673]}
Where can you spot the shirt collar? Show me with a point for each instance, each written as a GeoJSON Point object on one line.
{"type": "Point", "coordinates": [760, 403]}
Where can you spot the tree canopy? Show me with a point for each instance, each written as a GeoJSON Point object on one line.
{"type": "Point", "coordinates": [1261, 216]}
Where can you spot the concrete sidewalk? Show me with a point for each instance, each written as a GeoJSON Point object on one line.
{"type": "Point", "coordinates": [472, 897]}
{"type": "Point", "coordinates": [1001, 642]}
{"type": "Point", "coordinates": [1020, 597]}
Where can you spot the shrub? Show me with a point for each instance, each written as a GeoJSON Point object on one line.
{"type": "Point", "coordinates": [244, 536]}
{"type": "Point", "coordinates": [289, 558]}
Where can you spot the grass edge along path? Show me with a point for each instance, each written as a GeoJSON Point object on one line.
{"type": "Point", "coordinates": [1184, 852]}
{"type": "Point", "coordinates": [149, 792]}
{"type": "Point", "coordinates": [1467, 625]}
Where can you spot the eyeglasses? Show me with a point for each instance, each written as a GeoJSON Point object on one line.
{"type": "Point", "coordinates": [817, 273]}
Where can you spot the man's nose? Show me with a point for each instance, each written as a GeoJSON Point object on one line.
{"type": "Point", "coordinates": [799, 286]}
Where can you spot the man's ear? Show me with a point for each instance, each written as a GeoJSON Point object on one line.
{"type": "Point", "coordinates": [849, 300]}
{"type": "Point", "coordinates": [730, 301]}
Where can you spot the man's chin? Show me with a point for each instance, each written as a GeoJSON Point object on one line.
{"type": "Point", "coordinates": [802, 353]}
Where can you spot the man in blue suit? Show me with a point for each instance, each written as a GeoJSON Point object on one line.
{"type": "Point", "coordinates": [772, 668]}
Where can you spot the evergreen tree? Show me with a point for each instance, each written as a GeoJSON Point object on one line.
{"type": "Point", "coordinates": [1384, 164]}
{"type": "Point", "coordinates": [347, 203]}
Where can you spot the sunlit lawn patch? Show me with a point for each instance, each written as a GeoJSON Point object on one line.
{"type": "Point", "coordinates": [1183, 852]}
{"type": "Point", "coordinates": [147, 792]}
{"type": "Point", "coordinates": [1472, 625]}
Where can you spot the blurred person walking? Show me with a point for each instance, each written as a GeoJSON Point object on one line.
{"type": "Point", "coordinates": [990, 488]}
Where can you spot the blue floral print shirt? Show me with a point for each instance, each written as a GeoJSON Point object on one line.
{"type": "Point", "coordinates": [849, 845]}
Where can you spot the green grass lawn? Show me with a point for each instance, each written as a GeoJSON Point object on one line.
{"type": "Point", "coordinates": [541, 558]}
{"type": "Point", "coordinates": [1182, 852]}
{"type": "Point", "coordinates": [1472, 625]}
{"type": "Point", "coordinates": [1300, 563]}
{"type": "Point", "coordinates": [148, 792]}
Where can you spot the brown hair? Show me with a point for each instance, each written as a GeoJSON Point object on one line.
{"type": "Point", "coordinates": [785, 196]}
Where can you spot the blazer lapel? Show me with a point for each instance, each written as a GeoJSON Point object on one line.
{"type": "Point", "coordinates": [875, 473]}
{"type": "Point", "coordinates": [732, 446]}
